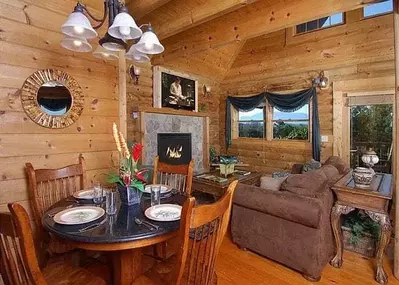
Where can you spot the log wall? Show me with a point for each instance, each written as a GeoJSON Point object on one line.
{"type": "Point", "coordinates": [280, 61]}
{"type": "Point", "coordinates": [30, 40]}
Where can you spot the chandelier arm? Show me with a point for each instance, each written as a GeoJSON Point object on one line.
{"type": "Point", "coordinates": [93, 17]}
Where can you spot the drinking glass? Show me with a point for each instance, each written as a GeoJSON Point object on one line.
{"type": "Point", "coordinates": [155, 195]}
{"type": "Point", "coordinates": [97, 193]}
{"type": "Point", "coordinates": [110, 202]}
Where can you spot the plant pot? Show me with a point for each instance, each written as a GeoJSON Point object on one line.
{"type": "Point", "coordinates": [366, 245]}
{"type": "Point", "coordinates": [129, 195]}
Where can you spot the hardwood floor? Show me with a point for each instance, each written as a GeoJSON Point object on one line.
{"type": "Point", "coordinates": [237, 267]}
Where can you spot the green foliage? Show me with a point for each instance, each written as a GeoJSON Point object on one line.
{"type": "Point", "coordinates": [251, 129]}
{"type": "Point", "coordinates": [282, 130]}
{"type": "Point", "coordinates": [372, 123]}
{"type": "Point", "coordinates": [360, 223]}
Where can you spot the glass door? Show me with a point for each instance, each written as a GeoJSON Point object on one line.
{"type": "Point", "coordinates": [371, 127]}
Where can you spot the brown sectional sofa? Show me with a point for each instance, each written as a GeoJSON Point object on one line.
{"type": "Point", "coordinates": [291, 226]}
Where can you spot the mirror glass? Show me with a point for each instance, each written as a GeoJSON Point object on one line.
{"type": "Point", "coordinates": [54, 98]}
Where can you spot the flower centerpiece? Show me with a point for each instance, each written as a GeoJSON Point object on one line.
{"type": "Point", "coordinates": [130, 180]}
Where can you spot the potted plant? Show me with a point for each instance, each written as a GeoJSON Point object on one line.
{"type": "Point", "coordinates": [129, 179]}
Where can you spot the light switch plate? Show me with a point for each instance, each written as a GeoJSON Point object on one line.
{"type": "Point", "coordinates": [324, 138]}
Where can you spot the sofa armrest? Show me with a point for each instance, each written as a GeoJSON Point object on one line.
{"type": "Point", "coordinates": [297, 168]}
{"type": "Point", "coordinates": [283, 204]}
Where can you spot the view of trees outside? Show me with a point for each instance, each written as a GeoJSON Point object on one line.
{"type": "Point", "coordinates": [371, 127]}
{"type": "Point", "coordinates": [286, 125]}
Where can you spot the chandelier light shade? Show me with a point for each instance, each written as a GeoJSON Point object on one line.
{"type": "Point", "coordinates": [105, 54]}
{"type": "Point", "coordinates": [149, 43]}
{"type": "Point", "coordinates": [78, 25]}
{"type": "Point", "coordinates": [124, 27]}
{"type": "Point", "coordinates": [134, 55]}
{"type": "Point", "coordinates": [121, 28]}
{"type": "Point", "coordinates": [110, 43]}
{"type": "Point", "coordinates": [76, 44]}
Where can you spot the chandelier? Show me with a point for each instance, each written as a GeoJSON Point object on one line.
{"type": "Point", "coordinates": [121, 28]}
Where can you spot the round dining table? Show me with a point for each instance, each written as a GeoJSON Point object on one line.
{"type": "Point", "coordinates": [117, 233]}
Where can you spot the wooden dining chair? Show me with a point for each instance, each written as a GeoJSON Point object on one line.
{"type": "Point", "coordinates": [180, 177]}
{"type": "Point", "coordinates": [202, 229]}
{"type": "Point", "coordinates": [19, 261]}
{"type": "Point", "coordinates": [49, 186]}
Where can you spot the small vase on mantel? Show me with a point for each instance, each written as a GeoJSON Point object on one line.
{"type": "Point", "coordinates": [129, 195]}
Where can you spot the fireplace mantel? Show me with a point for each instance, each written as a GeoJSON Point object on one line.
{"type": "Point", "coordinates": [169, 111]}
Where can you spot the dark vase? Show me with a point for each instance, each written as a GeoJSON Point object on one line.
{"type": "Point", "coordinates": [129, 195]}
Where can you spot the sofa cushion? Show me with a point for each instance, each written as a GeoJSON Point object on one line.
{"type": "Point", "coordinates": [307, 184]}
{"type": "Point", "coordinates": [311, 165]}
{"type": "Point", "coordinates": [286, 205]}
{"type": "Point", "coordinates": [332, 173]}
{"type": "Point", "coordinates": [271, 183]}
{"type": "Point", "coordinates": [338, 163]}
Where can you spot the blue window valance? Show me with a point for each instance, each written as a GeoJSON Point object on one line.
{"type": "Point", "coordinates": [285, 103]}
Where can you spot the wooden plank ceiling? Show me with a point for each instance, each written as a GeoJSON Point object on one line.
{"type": "Point", "coordinates": [203, 29]}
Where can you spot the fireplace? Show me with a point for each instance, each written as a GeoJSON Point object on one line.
{"type": "Point", "coordinates": [174, 148]}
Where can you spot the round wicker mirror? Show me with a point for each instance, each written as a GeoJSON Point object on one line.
{"type": "Point", "coordinates": [52, 98]}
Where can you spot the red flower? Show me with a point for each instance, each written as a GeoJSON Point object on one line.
{"type": "Point", "coordinates": [140, 175]}
{"type": "Point", "coordinates": [126, 180]}
{"type": "Point", "coordinates": [136, 151]}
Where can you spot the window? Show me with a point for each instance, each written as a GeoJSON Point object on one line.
{"type": "Point", "coordinates": [319, 24]}
{"type": "Point", "coordinates": [252, 124]}
{"type": "Point", "coordinates": [378, 9]}
{"type": "Point", "coordinates": [291, 125]}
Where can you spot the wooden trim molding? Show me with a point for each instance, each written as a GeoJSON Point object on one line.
{"type": "Point", "coordinates": [32, 108]}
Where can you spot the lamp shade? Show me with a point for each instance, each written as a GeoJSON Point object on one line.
{"type": "Point", "coordinates": [124, 27]}
{"type": "Point", "coordinates": [78, 25]}
{"type": "Point", "coordinates": [135, 55]}
{"type": "Point", "coordinates": [105, 54]}
{"type": "Point", "coordinates": [76, 44]}
{"type": "Point", "coordinates": [110, 43]}
{"type": "Point", "coordinates": [149, 43]}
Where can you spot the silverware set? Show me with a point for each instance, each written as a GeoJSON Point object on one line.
{"type": "Point", "coordinates": [149, 225]}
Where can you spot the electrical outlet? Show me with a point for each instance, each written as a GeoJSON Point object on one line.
{"type": "Point", "coordinates": [324, 139]}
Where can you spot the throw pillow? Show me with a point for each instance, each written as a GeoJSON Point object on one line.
{"type": "Point", "coordinates": [307, 184]}
{"type": "Point", "coordinates": [331, 172]}
{"type": "Point", "coordinates": [270, 183]}
{"type": "Point", "coordinates": [338, 163]}
{"type": "Point", "coordinates": [312, 165]}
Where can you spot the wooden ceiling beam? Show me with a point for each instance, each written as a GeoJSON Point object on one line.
{"type": "Point", "coordinates": [177, 16]}
{"type": "Point", "coordinates": [259, 18]}
{"type": "Point", "coordinates": [140, 8]}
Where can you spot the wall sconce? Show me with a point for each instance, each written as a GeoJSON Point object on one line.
{"type": "Point", "coordinates": [206, 90]}
{"type": "Point", "coordinates": [134, 72]}
{"type": "Point", "coordinates": [321, 81]}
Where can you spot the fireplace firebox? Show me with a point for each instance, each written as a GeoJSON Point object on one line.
{"type": "Point", "coordinates": [174, 148]}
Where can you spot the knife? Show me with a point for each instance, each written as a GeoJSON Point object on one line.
{"type": "Point", "coordinates": [92, 226]}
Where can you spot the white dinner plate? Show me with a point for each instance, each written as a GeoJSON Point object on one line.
{"type": "Point", "coordinates": [79, 215]}
{"type": "Point", "coordinates": [164, 188]}
{"type": "Point", "coordinates": [86, 194]}
{"type": "Point", "coordinates": [164, 212]}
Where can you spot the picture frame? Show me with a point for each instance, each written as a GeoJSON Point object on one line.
{"type": "Point", "coordinates": [172, 89]}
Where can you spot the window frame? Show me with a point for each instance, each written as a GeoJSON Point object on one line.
{"type": "Point", "coordinates": [363, 17]}
{"type": "Point", "coordinates": [322, 28]}
{"type": "Point", "coordinates": [268, 115]}
{"type": "Point", "coordinates": [302, 120]}
{"type": "Point", "coordinates": [264, 123]}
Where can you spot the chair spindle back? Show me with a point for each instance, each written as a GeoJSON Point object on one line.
{"type": "Point", "coordinates": [17, 250]}
{"type": "Point", "coordinates": [179, 177]}
{"type": "Point", "coordinates": [48, 186]}
{"type": "Point", "coordinates": [202, 230]}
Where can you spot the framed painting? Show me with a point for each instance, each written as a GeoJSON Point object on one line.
{"type": "Point", "coordinates": [174, 90]}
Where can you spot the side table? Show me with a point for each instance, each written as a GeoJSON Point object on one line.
{"type": "Point", "coordinates": [374, 201]}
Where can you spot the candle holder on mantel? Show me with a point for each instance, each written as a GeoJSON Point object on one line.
{"type": "Point", "coordinates": [363, 176]}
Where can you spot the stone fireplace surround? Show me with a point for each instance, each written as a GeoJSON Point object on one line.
{"type": "Point", "coordinates": [154, 123]}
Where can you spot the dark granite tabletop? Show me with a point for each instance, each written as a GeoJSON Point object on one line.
{"type": "Point", "coordinates": [117, 228]}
